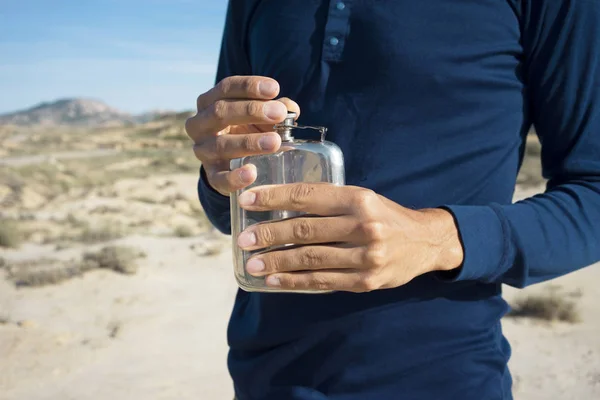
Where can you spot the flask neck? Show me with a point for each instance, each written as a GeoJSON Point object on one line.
{"type": "Point", "coordinates": [284, 129]}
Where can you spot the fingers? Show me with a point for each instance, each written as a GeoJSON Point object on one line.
{"type": "Point", "coordinates": [290, 105]}
{"type": "Point", "coordinates": [338, 280]}
{"type": "Point", "coordinates": [239, 87]}
{"type": "Point", "coordinates": [226, 147]}
{"type": "Point", "coordinates": [300, 231]}
{"type": "Point", "coordinates": [223, 113]}
{"type": "Point", "coordinates": [305, 258]}
{"type": "Point", "coordinates": [314, 198]}
{"type": "Point", "coordinates": [226, 182]}
{"type": "Point", "coordinates": [326, 280]}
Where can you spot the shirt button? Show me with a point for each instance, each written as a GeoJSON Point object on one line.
{"type": "Point", "coordinates": [340, 6]}
{"type": "Point", "coordinates": [334, 41]}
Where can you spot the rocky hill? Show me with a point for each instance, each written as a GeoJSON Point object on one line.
{"type": "Point", "coordinates": [73, 112]}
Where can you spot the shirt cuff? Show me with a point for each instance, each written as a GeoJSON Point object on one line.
{"type": "Point", "coordinates": [484, 244]}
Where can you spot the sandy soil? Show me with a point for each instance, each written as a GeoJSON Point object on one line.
{"type": "Point", "coordinates": [160, 333]}
{"type": "Point", "coordinates": [157, 335]}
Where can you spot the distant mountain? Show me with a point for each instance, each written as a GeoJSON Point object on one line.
{"type": "Point", "coordinates": [76, 112]}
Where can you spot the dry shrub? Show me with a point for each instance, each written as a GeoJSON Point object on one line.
{"type": "Point", "coordinates": [550, 306]}
{"type": "Point", "coordinates": [183, 231]}
{"type": "Point", "coordinates": [98, 234]}
{"type": "Point", "coordinates": [117, 258]}
{"type": "Point", "coordinates": [42, 272]}
{"type": "Point", "coordinates": [10, 235]}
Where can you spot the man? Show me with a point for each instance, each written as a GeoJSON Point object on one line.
{"type": "Point", "coordinates": [430, 102]}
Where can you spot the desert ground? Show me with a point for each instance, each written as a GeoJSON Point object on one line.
{"type": "Point", "coordinates": [113, 285]}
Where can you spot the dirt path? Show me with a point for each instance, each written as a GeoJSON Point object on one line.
{"type": "Point", "coordinates": [21, 161]}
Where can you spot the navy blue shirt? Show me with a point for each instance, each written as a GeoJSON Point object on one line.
{"type": "Point", "coordinates": [430, 102]}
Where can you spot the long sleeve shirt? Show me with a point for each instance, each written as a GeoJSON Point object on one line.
{"type": "Point", "coordinates": [431, 102]}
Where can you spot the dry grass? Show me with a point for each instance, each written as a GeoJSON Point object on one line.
{"type": "Point", "coordinates": [144, 199]}
{"type": "Point", "coordinates": [552, 305]}
{"type": "Point", "coordinates": [54, 179]}
{"type": "Point", "coordinates": [5, 318]}
{"type": "Point", "coordinates": [98, 234]}
{"type": "Point", "coordinates": [183, 231]}
{"type": "Point", "coordinates": [121, 259]}
{"type": "Point", "coordinates": [43, 272]}
{"type": "Point", "coordinates": [10, 235]}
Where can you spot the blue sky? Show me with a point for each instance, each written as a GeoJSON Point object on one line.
{"type": "Point", "coordinates": [135, 55]}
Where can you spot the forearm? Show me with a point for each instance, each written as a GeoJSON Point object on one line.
{"type": "Point", "coordinates": [534, 240]}
{"type": "Point", "coordinates": [556, 232]}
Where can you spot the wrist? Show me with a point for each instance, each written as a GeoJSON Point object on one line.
{"type": "Point", "coordinates": [447, 246]}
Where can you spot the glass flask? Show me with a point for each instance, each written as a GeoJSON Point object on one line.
{"type": "Point", "coordinates": [295, 161]}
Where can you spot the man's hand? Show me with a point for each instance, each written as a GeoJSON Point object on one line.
{"type": "Point", "coordinates": [359, 241]}
{"type": "Point", "coordinates": [235, 119]}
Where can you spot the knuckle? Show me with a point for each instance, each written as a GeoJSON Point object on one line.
{"type": "Point", "coordinates": [273, 262]}
{"type": "Point", "coordinates": [299, 194]}
{"type": "Point", "coordinates": [373, 231]}
{"type": "Point", "coordinates": [265, 236]}
{"type": "Point", "coordinates": [369, 282]}
{"type": "Point", "coordinates": [249, 85]}
{"type": "Point", "coordinates": [302, 230]}
{"type": "Point", "coordinates": [205, 150]}
{"type": "Point", "coordinates": [289, 283]}
{"type": "Point", "coordinates": [254, 108]}
{"type": "Point", "coordinates": [220, 146]}
{"type": "Point", "coordinates": [249, 143]}
{"type": "Point", "coordinates": [224, 86]}
{"type": "Point", "coordinates": [200, 102]}
{"type": "Point", "coordinates": [374, 257]}
{"type": "Point", "coordinates": [219, 110]}
{"type": "Point", "coordinates": [310, 258]}
{"type": "Point", "coordinates": [264, 198]}
{"type": "Point", "coordinates": [188, 126]}
{"type": "Point", "coordinates": [363, 199]}
{"type": "Point", "coordinates": [320, 282]}
{"type": "Point", "coordinates": [213, 179]}
{"type": "Point", "coordinates": [199, 153]}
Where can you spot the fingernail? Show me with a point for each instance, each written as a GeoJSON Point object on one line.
{"type": "Point", "coordinates": [255, 265]}
{"type": "Point", "coordinates": [274, 110]}
{"type": "Point", "coordinates": [246, 239]}
{"type": "Point", "coordinates": [245, 175]}
{"type": "Point", "coordinates": [268, 88]}
{"type": "Point", "coordinates": [273, 281]}
{"type": "Point", "coordinates": [247, 198]}
{"type": "Point", "coordinates": [267, 142]}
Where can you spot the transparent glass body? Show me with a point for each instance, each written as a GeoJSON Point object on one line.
{"type": "Point", "coordinates": [296, 161]}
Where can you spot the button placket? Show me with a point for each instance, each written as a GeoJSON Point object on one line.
{"type": "Point", "coordinates": [336, 30]}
